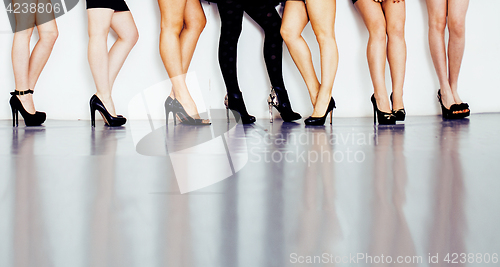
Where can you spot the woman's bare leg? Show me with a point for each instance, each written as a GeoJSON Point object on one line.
{"type": "Point", "coordinates": [395, 15]}
{"type": "Point", "coordinates": [98, 55]}
{"type": "Point", "coordinates": [172, 24]}
{"type": "Point", "coordinates": [295, 20]}
{"type": "Point", "coordinates": [374, 19]}
{"type": "Point", "coordinates": [27, 68]}
{"type": "Point", "coordinates": [124, 26]}
{"type": "Point", "coordinates": [438, 10]}
{"type": "Point", "coordinates": [322, 17]}
{"type": "Point", "coordinates": [193, 27]}
{"type": "Point", "coordinates": [457, 10]}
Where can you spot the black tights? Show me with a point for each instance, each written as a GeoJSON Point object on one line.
{"type": "Point", "coordinates": [264, 14]}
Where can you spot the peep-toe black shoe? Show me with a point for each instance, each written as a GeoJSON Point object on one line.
{"type": "Point", "coordinates": [234, 102]}
{"type": "Point", "coordinates": [278, 98]}
{"type": "Point", "coordinates": [453, 113]}
{"type": "Point", "coordinates": [184, 118]}
{"type": "Point", "coordinates": [400, 114]}
{"type": "Point", "coordinates": [17, 107]}
{"type": "Point", "coordinates": [383, 118]}
{"type": "Point", "coordinates": [318, 121]}
{"type": "Point", "coordinates": [464, 110]}
{"type": "Point", "coordinates": [97, 105]}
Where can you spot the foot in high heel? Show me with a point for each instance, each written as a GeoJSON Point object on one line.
{"type": "Point", "coordinates": [318, 121]}
{"type": "Point", "coordinates": [278, 98]}
{"type": "Point", "coordinates": [181, 114]}
{"type": "Point", "coordinates": [17, 107]}
{"type": "Point", "coordinates": [400, 114]}
{"type": "Point", "coordinates": [97, 105]}
{"type": "Point", "coordinates": [383, 118]}
{"type": "Point", "coordinates": [234, 102]}
{"type": "Point", "coordinates": [453, 113]}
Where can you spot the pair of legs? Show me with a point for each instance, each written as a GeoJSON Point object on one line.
{"type": "Point", "coordinates": [28, 65]}
{"type": "Point", "coordinates": [265, 15]}
{"type": "Point", "coordinates": [321, 14]}
{"type": "Point", "coordinates": [385, 21]}
{"type": "Point", "coordinates": [451, 13]}
{"type": "Point", "coordinates": [105, 65]}
{"type": "Point", "coordinates": [182, 22]}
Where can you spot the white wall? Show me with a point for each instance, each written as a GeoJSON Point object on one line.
{"type": "Point", "coordinates": [66, 83]}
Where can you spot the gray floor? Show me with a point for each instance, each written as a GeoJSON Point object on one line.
{"type": "Point", "coordinates": [262, 195]}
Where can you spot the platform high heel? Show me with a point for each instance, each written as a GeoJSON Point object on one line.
{"type": "Point", "coordinates": [278, 98]}
{"type": "Point", "coordinates": [17, 107]}
{"type": "Point", "coordinates": [384, 118]}
{"type": "Point", "coordinates": [97, 105]}
{"type": "Point", "coordinates": [169, 108]}
{"type": "Point", "coordinates": [234, 102]}
{"type": "Point", "coordinates": [318, 121]}
{"type": "Point", "coordinates": [453, 113]}
{"type": "Point", "coordinates": [400, 114]}
{"type": "Point", "coordinates": [184, 118]}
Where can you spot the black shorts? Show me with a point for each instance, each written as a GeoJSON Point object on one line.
{"type": "Point", "coordinates": [116, 5]}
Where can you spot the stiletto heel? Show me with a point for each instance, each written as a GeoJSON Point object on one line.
{"type": "Point", "coordinates": [169, 108]}
{"type": "Point", "coordinates": [452, 113]}
{"type": "Point", "coordinates": [92, 116]}
{"type": "Point", "coordinates": [383, 117]}
{"type": "Point", "coordinates": [97, 105]}
{"type": "Point", "coordinates": [181, 114]}
{"type": "Point", "coordinates": [227, 114]}
{"type": "Point", "coordinates": [17, 107]}
{"type": "Point", "coordinates": [270, 104]}
{"type": "Point", "coordinates": [318, 121]}
{"type": "Point", "coordinates": [400, 114]}
{"type": "Point", "coordinates": [15, 120]}
{"type": "Point", "coordinates": [278, 98]}
{"type": "Point", "coordinates": [234, 102]}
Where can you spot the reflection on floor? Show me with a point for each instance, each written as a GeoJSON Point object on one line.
{"type": "Point", "coordinates": [264, 195]}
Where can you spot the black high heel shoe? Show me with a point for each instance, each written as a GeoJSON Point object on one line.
{"type": "Point", "coordinates": [17, 107]}
{"type": "Point", "coordinates": [400, 114]}
{"type": "Point", "coordinates": [235, 103]}
{"type": "Point", "coordinates": [169, 108]}
{"type": "Point", "coordinates": [318, 121]}
{"type": "Point", "coordinates": [453, 113]}
{"type": "Point", "coordinates": [278, 98]}
{"type": "Point", "coordinates": [97, 105]}
{"type": "Point", "coordinates": [181, 114]}
{"type": "Point", "coordinates": [384, 118]}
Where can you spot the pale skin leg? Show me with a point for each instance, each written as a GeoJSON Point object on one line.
{"type": "Point", "coordinates": [295, 20]}
{"type": "Point", "coordinates": [193, 27]}
{"type": "Point", "coordinates": [27, 68]}
{"type": "Point", "coordinates": [176, 49]}
{"type": "Point", "coordinates": [322, 17]}
{"type": "Point", "coordinates": [105, 65]}
{"type": "Point", "coordinates": [439, 12]}
{"type": "Point", "coordinates": [385, 23]}
{"type": "Point", "coordinates": [395, 15]}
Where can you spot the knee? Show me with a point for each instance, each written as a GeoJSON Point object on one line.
{"type": "Point", "coordinates": [289, 34]}
{"type": "Point", "coordinates": [396, 31]}
{"type": "Point", "coordinates": [49, 37]}
{"type": "Point", "coordinates": [456, 27]}
{"type": "Point", "coordinates": [172, 26]}
{"type": "Point", "coordinates": [130, 37]}
{"type": "Point", "coordinates": [378, 33]}
{"type": "Point", "coordinates": [197, 24]}
{"type": "Point", "coordinates": [437, 24]}
{"type": "Point", "coordinates": [324, 35]}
